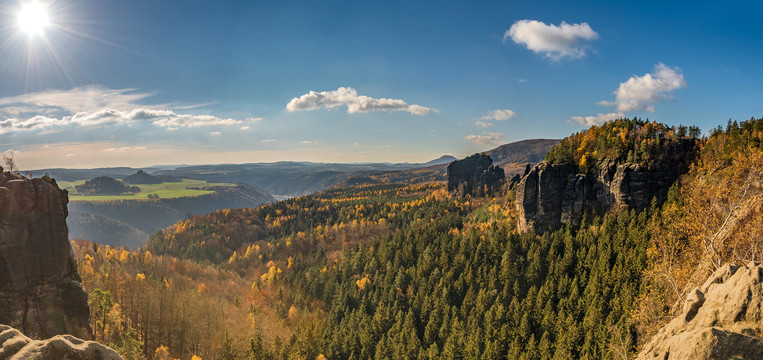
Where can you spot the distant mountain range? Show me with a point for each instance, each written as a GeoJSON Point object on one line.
{"type": "Point", "coordinates": [288, 178]}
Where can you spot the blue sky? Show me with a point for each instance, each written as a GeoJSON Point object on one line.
{"type": "Point", "coordinates": [139, 83]}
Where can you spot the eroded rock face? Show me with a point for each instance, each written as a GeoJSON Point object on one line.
{"type": "Point", "coordinates": [40, 290]}
{"type": "Point", "coordinates": [14, 345]}
{"type": "Point", "coordinates": [474, 172]}
{"type": "Point", "coordinates": [720, 320]}
{"type": "Point", "coordinates": [549, 196]}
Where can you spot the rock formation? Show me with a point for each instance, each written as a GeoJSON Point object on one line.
{"type": "Point", "coordinates": [474, 172]}
{"type": "Point", "coordinates": [720, 320]}
{"type": "Point", "coordinates": [15, 346]}
{"type": "Point", "coordinates": [551, 195]}
{"type": "Point", "coordinates": [40, 290]}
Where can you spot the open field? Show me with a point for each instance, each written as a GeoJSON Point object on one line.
{"type": "Point", "coordinates": [166, 190]}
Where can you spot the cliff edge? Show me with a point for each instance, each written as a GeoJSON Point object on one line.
{"type": "Point", "coordinates": [549, 196]}
{"type": "Point", "coordinates": [40, 290]}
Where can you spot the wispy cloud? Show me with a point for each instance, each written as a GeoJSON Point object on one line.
{"type": "Point", "coordinates": [95, 106]}
{"type": "Point", "coordinates": [598, 119]}
{"type": "Point", "coordinates": [499, 115]}
{"type": "Point", "coordinates": [486, 138]}
{"type": "Point", "coordinates": [355, 103]}
{"type": "Point", "coordinates": [555, 42]}
{"type": "Point", "coordinates": [495, 115]}
{"type": "Point", "coordinates": [641, 93]}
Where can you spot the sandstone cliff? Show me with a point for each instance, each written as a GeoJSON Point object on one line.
{"type": "Point", "coordinates": [549, 196]}
{"type": "Point", "coordinates": [40, 290]}
{"type": "Point", "coordinates": [473, 173]}
{"type": "Point", "coordinates": [16, 346]}
{"type": "Point", "coordinates": [720, 320]}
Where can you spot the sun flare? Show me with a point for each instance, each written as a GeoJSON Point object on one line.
{"type": "Point", "coordinates": [33, 18]}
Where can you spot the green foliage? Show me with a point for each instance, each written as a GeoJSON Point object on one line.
{"type": "Point", "coordinates": [104, 185]}
{"type": "Point", "coordinates": [100, 302]}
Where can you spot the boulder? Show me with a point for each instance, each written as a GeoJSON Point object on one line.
{"type": "Point", "coordinates": [720, 320]}
{"type": "Point", "coordinates": [40, 290]}
{"type": "Point", "coordinates": [14, 345]}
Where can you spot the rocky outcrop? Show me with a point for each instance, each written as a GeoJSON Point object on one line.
{"type": "Point", "coordinates": [549, 196]}
{"type": "Point", "coordinates": [40, 290]}
{"type": "Point", "coordinates": [16, 346]}
{"type": "Point", "coordinates": [474, 172]}
{"type": "Point", "coordinates": [720, 320]}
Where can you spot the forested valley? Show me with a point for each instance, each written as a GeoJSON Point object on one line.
{"type": "Point", "coordinates": [411, 271]}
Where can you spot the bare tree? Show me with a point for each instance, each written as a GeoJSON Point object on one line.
{"type": "Point", "coordinates": [10, 164]}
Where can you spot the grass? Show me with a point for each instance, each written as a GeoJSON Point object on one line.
{"type": "Point", "coordinates": [166, 190]}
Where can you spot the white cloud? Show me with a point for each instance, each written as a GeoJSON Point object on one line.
{"type": "Point", "coordinates": [162, 118]}
{"type": "Point", "coordinates": [484, 124]}
{"type": "Point", "coordinates": [244, 127]}
{"type": "Point", "coordinates": [555, 42]}
{"type": "Point", "coordinates": [355, 103]}
{"type": "Point", "coordinates": [215, 133]}
{"type": "Point", "coordinates": [641, 93]}
{"type": "Point", "coordinates": [598, 119]}
{"type": "Point", "coordinates": [268, 140]}
{"type": "Point", "coordinates": [499, 115]}
{"type": "Point", "coordinates": [308, 142]}
{"type": "Point", "coordinates": [93, 106]}
{"type": "Point", "coordinates": [486, 138]}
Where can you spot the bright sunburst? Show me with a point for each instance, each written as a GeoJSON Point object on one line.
{"type": "Point", "coordinates": [33, 18]}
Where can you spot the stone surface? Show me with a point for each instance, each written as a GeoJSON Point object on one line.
{"type": "Point", "coordinates": [549, 196]}
{"type": "Point", "coordinates": [474, 172]}
{"type": "Point", "coordinates": [720, 320]}
{"type": "Point", "coordinates": [16, 346]}
{"type": "Point", "coordinates": [40, 290]}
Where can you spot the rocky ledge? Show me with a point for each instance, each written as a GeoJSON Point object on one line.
{"type": "Point", "coordinates": [40, 290]}
{"type": "Point", "coordinates": [720, 320]}
{"type": "Point", "coordinates": [16, 346]}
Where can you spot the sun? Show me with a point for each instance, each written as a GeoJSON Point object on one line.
{"type": "Point", "coordinates": [33, 18]}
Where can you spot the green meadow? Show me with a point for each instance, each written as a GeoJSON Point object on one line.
{"type": "Point", "coordinates": [166, 190]}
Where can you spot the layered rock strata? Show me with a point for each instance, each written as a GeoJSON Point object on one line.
{"type": "Point", "coordinates": [40, 290]}
{"type": "Point", "coordinates": [549, 196]}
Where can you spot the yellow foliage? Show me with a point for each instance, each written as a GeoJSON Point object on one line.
{"type": "Point", "coordinates": [195, 357]}
{"type": "Point", "coordinates": [140, 277]}
{"type": "Point", "coordinates": [162, 353]}
{"type": "Point", "coordinates": [148, 259]}
{"type": "Point", "coordinates": [362, 283]}
{"type": "Point", "coordinates": [202, 288]}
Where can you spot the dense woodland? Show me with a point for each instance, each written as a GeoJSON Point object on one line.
{"type": "Point", "coordinates": [402, 271]}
